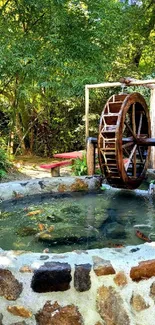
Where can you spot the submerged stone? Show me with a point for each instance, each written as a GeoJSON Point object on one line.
{"type": "Point", "coordinates": [115, 230]}
{"type": "Point", "coordinates": [52, 276]}
{"type": "Point", "coordinates": [67, 235]}
{"type": "Point", "coordinates": [71, 209]}
{"type": "Point", "coordinates": [26, 231]}
{"type": "Point", "coordinates": [54, 218]}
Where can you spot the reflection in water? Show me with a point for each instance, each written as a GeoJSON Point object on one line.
{"type": "Point", "coordinates": [76, 221]}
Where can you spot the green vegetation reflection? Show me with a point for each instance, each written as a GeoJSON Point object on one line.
{"type": "Point", "coordinates": [76, 222]}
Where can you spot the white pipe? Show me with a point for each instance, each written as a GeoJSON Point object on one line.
{"type": "Point", "coordinates": [119, 84]}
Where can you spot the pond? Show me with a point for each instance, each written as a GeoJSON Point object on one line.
{"type": "Point", "coordinates": [76, 221]}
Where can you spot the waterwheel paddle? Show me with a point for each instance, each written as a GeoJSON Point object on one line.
{"type": "Point", "coordinates": [124, 140]}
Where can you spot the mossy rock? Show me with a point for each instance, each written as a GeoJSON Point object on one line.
{"type": "Point", "coordinates": [71, 234]}
{"type": "Point", "coordinates": [26, 231]}
{"type": "Point", "coordinates": [73, 209]}
{"type": "Point", "coordinates": [54, 218]}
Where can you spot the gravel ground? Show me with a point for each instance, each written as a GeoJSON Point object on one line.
{"type": "Point", "coordinates": [24, 171]}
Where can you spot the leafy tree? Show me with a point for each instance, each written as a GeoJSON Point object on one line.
{"type": "Point", "coordinates": [136, 55]}
{"type": "Point", "coordinates": [49, 49]}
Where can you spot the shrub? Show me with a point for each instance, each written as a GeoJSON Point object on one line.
{"type": "Point", "coordinates": [4, 163]}
{"type": "Point", "coordinates": [79, 166]}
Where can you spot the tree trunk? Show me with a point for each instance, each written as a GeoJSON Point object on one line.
{"type": "Point", "coordinates": [11, 143]}
{"type": "Point", "coordinates": [31, 140]}
{"type": "Point", "coordinates": [20, 134]}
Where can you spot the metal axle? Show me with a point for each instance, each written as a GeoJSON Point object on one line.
{"type": "Point", "coordinates": [140, 141]}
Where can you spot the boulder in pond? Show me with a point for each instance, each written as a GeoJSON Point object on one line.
{"type": "Point", "coordinates": [115, 231]}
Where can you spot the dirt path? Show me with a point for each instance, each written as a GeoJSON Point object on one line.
{"type": "Point", "coordinates": [29, 168]}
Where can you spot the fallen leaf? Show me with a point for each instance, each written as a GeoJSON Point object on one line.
{"type": "Point", "coordinates": [33, 213]}
{"type": "Point", "coordinates": [41, 226]}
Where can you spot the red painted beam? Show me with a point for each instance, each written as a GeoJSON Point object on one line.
{"type": "Point", "coordinates": [56, 164]}
{"type": "Point", "coordinates": [69, 155]}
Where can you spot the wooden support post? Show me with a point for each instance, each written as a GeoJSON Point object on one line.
{"type": "Point", "coordinates": [152, 115]}
{"type": "Point", "coordinates": [55, 172]}
{"type": "Point", "coordinates": [90, 155]}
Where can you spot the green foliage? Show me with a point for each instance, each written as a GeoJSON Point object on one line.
{"type": "Point", "coordinates": [49, 50]}
{"type": "Point", "coordinates": [2, 173]}
{"type": "Point", "coordinates": [136, 55]}
{"type": "Point", "coordinates": [79, 166]}
{"type": "Point", "coordinates": [4, 163]}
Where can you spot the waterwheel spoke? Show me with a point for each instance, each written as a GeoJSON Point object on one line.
{"type": "Point", "coordinates": [134, 131]}
{"type": "Point", "coordinates": [131, 131]}
{"type": "Point", "coordinates": [133, 119]}
{"type": "Point", "coordinates": [126, 152]}
{"type": "Point", "coordinates": [127, 155]}
{"type": "Point", "coordinates": [140, 124]}
{"type": "Point", "coordinates": [126, 145]}
{"type": "Point", "coordinates": [138, 134]}
{"type": "Point", "coordinates": [130, 157]}
{"type": "Point", "coordinates": [140, 154]}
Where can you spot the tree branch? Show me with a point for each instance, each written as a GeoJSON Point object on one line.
{"type": "Point", "coordinates": [35, 22]}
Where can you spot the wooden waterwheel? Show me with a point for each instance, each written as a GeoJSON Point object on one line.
{"type": "Point", "coordinates": [124, 140]}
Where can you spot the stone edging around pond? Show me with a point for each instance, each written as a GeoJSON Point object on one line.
{"type": "Point", "coordinates": [16, 190]}
{"type": "Point", "coordinates": [95, 287]}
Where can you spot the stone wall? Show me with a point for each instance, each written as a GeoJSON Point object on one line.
{"type": "Point", "coordinates": [16, 190]}
{"type": "Point", "coordinates": [110, 286]}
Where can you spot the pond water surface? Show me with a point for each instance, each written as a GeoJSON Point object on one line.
{"type": "Point", "coordinates": [77, 221]}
